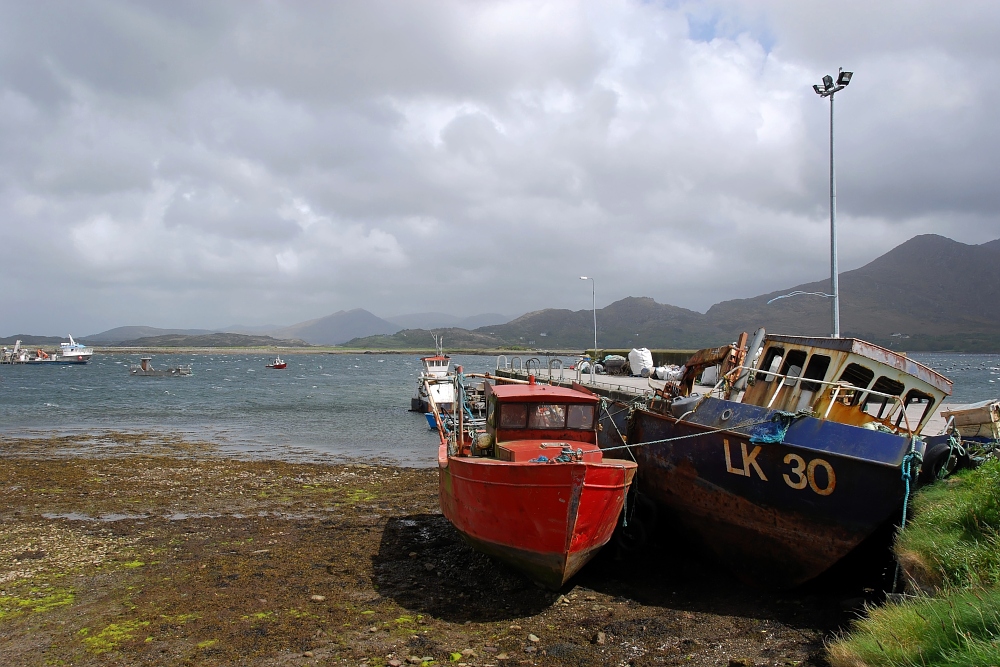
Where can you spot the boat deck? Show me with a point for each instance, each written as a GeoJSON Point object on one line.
{"type": "Point", "coordinates": [626, 386]}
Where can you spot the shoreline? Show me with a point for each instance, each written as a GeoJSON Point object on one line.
{"type": "Point", "coordinates": [322, 350]}
{"type": "Point", "coordinates": [167, 552]}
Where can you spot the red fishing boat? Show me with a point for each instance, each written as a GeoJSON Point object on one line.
{"type": "Point", "coordinates": [276, 364]}
{"type": "Point", "coordinates": [530, 486]}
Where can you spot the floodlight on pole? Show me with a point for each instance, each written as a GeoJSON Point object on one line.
{"type": "Point", "coordinates": [593, 362]}
{"type": "Point", "coordinates": [843, 78]}
{"type": "Point", "coordinates": [827, 89]}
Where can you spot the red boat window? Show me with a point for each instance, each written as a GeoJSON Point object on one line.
{"type": "Point", "coordinates": [580, 416]}
{"type": "Point", "coordinates": [546, 415]}
{"type": "Point", "coordinates": [513, 415]}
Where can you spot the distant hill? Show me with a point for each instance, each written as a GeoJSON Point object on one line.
{"type": "Point", "coordinates": [929, 286]}
{"type": "Point", "coordinates": [250, 330]}
{"type": "Point", "coordinates": [444, 321]}
{"type": "Point", "coordinates": [122, 334]}
{"type": "Point", "coordinates": [423, 339]}
{"type": "Point", "coordinates": [630, 322]}
{"type": "Point", "coordinates": [929, 293]}
{"type": "Point", "coordinates": [338, 328]}
{"type": "Point", "coordinates": [27, 340]}
{"type": "Point", "coordinates": [212, 340]}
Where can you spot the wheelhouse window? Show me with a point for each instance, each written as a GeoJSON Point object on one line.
{"type": "Point", "coordinates": [815, 370]}
{"type": "Point", "coordinates": [859, 376]}
{"type": "Point", "coordinates": [916, 405]}
{"type": "Point", "coordinates": [880, 407]}
{"type": "Point", "coordinates": [547, 415]}
{"type": "Point", "coordinates": [580, 416]}
{"type": "Point", "coordinates": [513, 415]}
{"type": "Point", "coordinates": [792, 366]}
{"type": "Point", "coordinates": [771, 363]}
{"type": "Point", "coordinates": [544, 416]}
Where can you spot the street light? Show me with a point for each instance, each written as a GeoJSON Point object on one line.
{"type": "Point", "coordinates": [828, 89]}
{"type": "Point", "coordinates": [593, 362]}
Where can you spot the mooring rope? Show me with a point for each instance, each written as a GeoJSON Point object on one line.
{"type": "Point", "coordinates": [909, 476]}
{"type": "Point", "coordinates": [745, 424]}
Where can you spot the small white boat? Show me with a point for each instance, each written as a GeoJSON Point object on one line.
{"type": "Point", "coordinates": [73, 352]}
{"type": "Point", "coordinates": [436, 369]}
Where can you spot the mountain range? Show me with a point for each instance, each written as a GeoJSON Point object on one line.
{"type": "Point", "coordinates": [929, 293]}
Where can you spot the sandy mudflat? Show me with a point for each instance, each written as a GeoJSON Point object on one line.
{"type": "Point", "coordinates": [129, 550]}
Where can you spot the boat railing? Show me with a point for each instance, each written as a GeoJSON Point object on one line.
{"type": "Point", "coordinates": [836, 389]}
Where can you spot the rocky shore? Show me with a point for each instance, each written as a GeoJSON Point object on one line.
{"type": "Point", "coordinates": [118, 549]}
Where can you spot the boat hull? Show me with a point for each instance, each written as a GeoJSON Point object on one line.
{"type": "Point", "coordinates": [60, 360]}
{"type": "Point", "coordinates": [778, 514]}
{"type": "Point", "coordinates": [554, 518]}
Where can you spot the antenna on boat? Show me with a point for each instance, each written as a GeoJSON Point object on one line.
{"type": "Point", "coordinates": [439, 344]}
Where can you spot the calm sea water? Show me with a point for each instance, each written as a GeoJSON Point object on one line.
{"type": "Point", "coordinates": [340, 406]}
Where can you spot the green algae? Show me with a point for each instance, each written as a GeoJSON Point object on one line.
{"type": "Point", "coordinates": [360, 496]}
{"type": "Point", "coordinates": [39, 600]}
{"type": "Point", "coordinates": [111, 636]}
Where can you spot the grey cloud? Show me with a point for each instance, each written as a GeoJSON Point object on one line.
{"type": "Point", "coordinates": [206, 159]}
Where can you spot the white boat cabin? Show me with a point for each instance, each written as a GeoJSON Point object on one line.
{"type": "Point", "coordinates": [845, 380]}
{"type": "Point", "coordinates": [436, 366]}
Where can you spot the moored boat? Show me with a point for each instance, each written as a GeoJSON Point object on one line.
{"type": "Point", "coordinates": [145, 369]}
{"type": "Point", "coordinates": [277, 364]}
{"type": "Point", "coordinates": [435, 368]}
{"type": "Point", "coordinates": [821, 450]}
{"type": "Point", "coordinates": [68, 353]}
{"type": "Point", "coordinates": [531, 487]}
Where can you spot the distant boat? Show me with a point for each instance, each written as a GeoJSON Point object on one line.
{"type": "Point", "coordinates": [145, 369]}
{"type": "Point", "coordinates": [277, 364]}
{"type": "Point", "coordinates": [68, 353]}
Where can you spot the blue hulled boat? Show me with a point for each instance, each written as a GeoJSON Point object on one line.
{"type": "Point", "coordinates": [806, 447]}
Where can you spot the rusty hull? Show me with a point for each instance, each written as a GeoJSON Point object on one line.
{"type": "Point", "coordinates": [778, 514]}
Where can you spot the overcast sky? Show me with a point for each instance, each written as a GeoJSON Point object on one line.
{"type": "Point", "coordinates": [200, 164]}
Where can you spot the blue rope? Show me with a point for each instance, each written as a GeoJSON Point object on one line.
{"type": "Point", "coordinates": [909, 476]}
{"type": "Point", "coordinates": [774, 429]}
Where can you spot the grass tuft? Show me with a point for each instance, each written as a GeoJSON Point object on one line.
{"type": "Point", "coordinates": [954, 537]}
{"type": "Point", "coordinates": [951, 552]}
{"type": "Point", "coordinates": [958, 629]}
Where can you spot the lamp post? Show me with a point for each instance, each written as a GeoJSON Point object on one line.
{"type": "Point", "coordinates": [593, 362]}
{"type": "Point", "coordinates": [827, 89]}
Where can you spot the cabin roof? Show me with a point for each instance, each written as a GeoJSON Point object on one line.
{"type": "Point", "coordinates": [874, 352]}
{"type": "Point", "coordinates": [539, 393]}
{"type": "Point", "coordinates": [436, 357]}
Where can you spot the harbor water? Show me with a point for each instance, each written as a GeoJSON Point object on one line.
{"type": "Point", "coordinates": [332, 407]}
